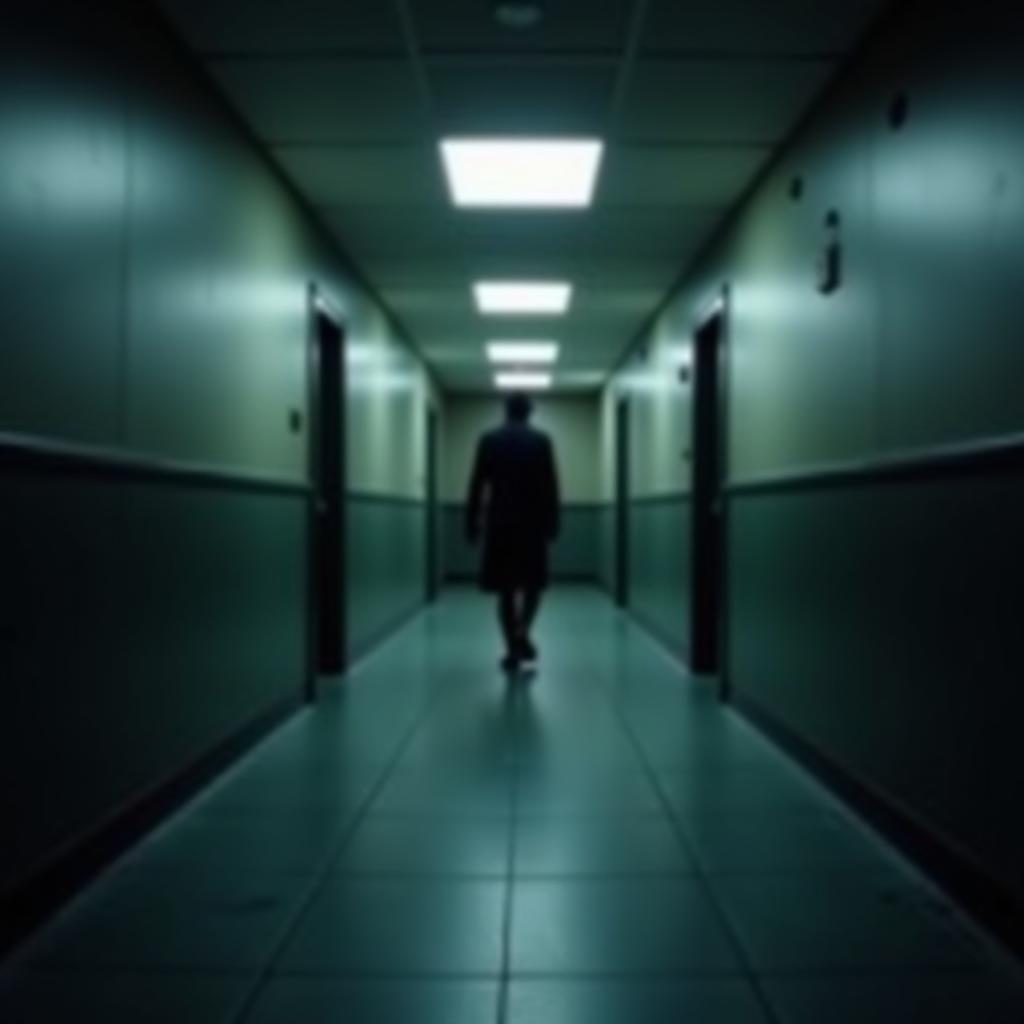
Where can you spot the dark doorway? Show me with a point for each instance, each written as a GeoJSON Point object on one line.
{"type": "Point", "coordinates": [622, 502]}
{"type": "Point", "coordinates": [430, 548]}
{"type": "Point", "coordinates": [327, 454]}
{"type": "Point", "coordinates": [707, 628]}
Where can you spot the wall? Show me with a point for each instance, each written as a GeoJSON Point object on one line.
{"type": "Point", "coordinates": [875, 436]}
{"type": "Point", "coordinates": [573, 424]}
{"type": "Point", "coordinates": [153, 494]}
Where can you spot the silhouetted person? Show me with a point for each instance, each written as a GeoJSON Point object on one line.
{"type": "Point", "coordinates": [515, 466]}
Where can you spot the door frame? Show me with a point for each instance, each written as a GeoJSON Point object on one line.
{"type": "Point", "coordinates": [431, 547]}
{"type": "Point", "coordinates": [327, 616]}
{"type": "Point", "coordinates": [710, 506]}
{"type": "Point", "coordinates": [622, 491]}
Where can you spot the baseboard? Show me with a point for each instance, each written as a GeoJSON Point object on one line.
{"type": "Point", "coordinates": [383, 633]}
{"type": "Point", "coordinates": [973, 889]}
{"type": "Point", "coordinates": [31, 902]}
{"type": "Point", "coordinates": [670, 644]}
{"type": "Point", "coordinates": [562, 577]}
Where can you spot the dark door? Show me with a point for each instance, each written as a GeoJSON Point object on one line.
{"type": "Point", "coordinates": [708, 540]}
{"type": "Point", "coordinates": [328, 476]}
{"type": "Point", "coordinates": [431, 498]}
{"type": "Point", "coordinates": [622, 502]}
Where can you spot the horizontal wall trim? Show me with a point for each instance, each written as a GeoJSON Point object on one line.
{"type": "Point", "coordinates": [973, 888]}
{"type": "Point", "coordinates": [26, 454]}
{"type": "Point", "coordinates": [29, 904]}
{"type": "Point", "coordinates": [374, 498]}
{"type": "Point", "coordinates": [983, 458]}
{"type": "Point", "coordinates": [555, 577]}
{"type": "Point", "coordinates": [570, 506]}
{"type": "Point", "coordinates": [673, 498]}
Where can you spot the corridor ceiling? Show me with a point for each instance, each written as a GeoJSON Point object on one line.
{"type": "Point", "coordinates": [352, 96]}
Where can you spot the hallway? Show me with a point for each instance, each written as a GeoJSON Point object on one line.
{"type": "Point", "coordinates": [603, 843]}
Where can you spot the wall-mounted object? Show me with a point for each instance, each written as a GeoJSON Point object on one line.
{"type": "Point", "coordinates": [295, 421]}
{"type": "Point", "coordinates": [830, 259]}
{"type": "Point", "coordinates": [899, 111]}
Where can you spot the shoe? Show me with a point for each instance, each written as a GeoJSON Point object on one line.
{"type": "Point", "coordinates": [525, 649]}
{"type": "Point", "coordinates": [510, 663]}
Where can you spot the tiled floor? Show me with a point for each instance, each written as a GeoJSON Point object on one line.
{"type": "Point", "coordinates": [602, 844]}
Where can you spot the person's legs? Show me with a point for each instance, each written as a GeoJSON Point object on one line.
{"type": "Point", "coordinates": [531, 605]}
{"type": "Point", "coordinates": [509, 620]}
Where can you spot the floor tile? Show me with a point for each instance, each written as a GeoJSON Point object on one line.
{"type": "Point", "coordinates": [43, 997]}
{"type": "Point", "coordinates": [262, 842]}
{"type": "Point", "coordinates": [816, 921]}
{"type": "Point", "coordinates": [611, 790]}
{"type": "Point", "coordinates": [598, 846]}
{"type": "Point", "coordinates": [219, 920]}
{"type": "Point", "coordinates": [400, 926]}
{"type": "Point", "coordinates": [394, 1001]}
{"type": "Point", "coordinates": [753, 839]}
{"type": "Point", "coordinates": [946, 998]}
{"type": "Point", "coordinates": [616, 927]}
{"type": "Point", "coordinates": [723, 788]}
{"type": "Point", "coordinates": [433, 846]}
{"type": "Point", "coordinates": [637, 1001]}
{"type": "Point", "coordinates": [444, 793]}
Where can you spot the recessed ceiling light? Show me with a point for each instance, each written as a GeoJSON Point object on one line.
{"type": "Point", "coordinates": [518, 15]}
{"type": "Point", "coordinates": [522, 352]}
{"type": "Point", "coordinates": [522, 381]}
{"type": "Point", "coordinates": [521, 172]}
{"type": "Point", "coordinates": [523, 297]}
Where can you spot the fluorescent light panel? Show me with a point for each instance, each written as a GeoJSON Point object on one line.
{"type": "Point", "coordinates": [523, 297]}
{"type": "Point", "coordinates": [522, 381]}
{"type": "Point", "coordinates": [521, 172]}
{"type": "Point", "coordinates": [522, 352]}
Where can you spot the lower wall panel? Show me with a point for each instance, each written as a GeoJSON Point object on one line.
{"type": "Point", "coordinates": [606, 569]}
{"type": "Point", "coordinates": [880, 623]}
{"type": "Point", "coordinates": [575, 555]}
{"type": "Point", "coordinates": [386, 572]}
{"type": "Point", "coordinates": [141, 624]}
{"type": "Point", "coordinates": [659, 567]}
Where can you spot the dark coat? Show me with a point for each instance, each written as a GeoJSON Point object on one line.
{"type": "Point", "coordinates": [515, 466]}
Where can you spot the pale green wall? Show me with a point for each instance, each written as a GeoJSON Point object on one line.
{"type": "Point", "coordinates": [153, 302]}
{"type": "Point", "coordinates": [873, 618]}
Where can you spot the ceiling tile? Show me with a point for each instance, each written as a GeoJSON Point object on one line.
{"type": "Point", "coordinates": [394, 176]}
{"type": "Point", "coordinates": [740, 101]}
{"type": "Point", "coordinates": [756, 27]}
{"type": "Point", "coordinates": [678, 175]}
{"type": "Point", "coordinates": [324, 101]}
{"type": "Point", "coordinates": [469, 25]}
{"type": "Point", "coordinates": [574, 238]}
{"type": "Point", "coordinates": [513, 98]}
{"type": "Point", "coordinates": [270, 26]}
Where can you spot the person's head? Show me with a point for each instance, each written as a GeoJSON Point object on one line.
{"type": "Point", "coordinates": [518, 407]}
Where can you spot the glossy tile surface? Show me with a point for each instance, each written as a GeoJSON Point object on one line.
{"type": "Point", "coordinates": [432, 842]}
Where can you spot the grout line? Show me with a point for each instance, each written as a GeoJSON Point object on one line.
{"type": "Point", "coordinates": [319, 883]}
{"type": "Point", "coordinates": [510, 874]}
{"type": "Point", "coordinates": [746, 966]}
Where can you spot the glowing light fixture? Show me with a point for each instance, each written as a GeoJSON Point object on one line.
{"type": "Point", "coordinates": [522, 297]}
{"type": "Point", "coordinates": [522, 381]}
{"type": "Point", "coordinates": [520, 353]}
{"type": "Point", "coordinates": [522, 172]}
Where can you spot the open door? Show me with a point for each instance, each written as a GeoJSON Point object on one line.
{"type": "Point", "coordinates": [707, 604]}
{"type": "Point", "coordinates": [430, 547]}
{"type": "Point", "coordinates": [622, 502]}
{"type": "Point", "coordinates": [327, 458]}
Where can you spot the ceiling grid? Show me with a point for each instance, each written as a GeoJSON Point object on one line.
{"type": "Point", "coordinates": [690, 96]}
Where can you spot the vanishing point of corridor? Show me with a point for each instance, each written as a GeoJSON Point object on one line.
{"type": "Point", "coordinates": [601, 843]}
